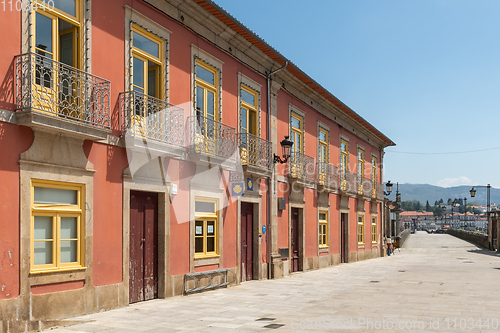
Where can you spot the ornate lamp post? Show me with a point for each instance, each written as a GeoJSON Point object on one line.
{"type": "Point", "coordinates": [453, 204]}
{"type": "Point", "coordinates": [286, 147]}
{"type": "Point", "coordinates": [473, 194]}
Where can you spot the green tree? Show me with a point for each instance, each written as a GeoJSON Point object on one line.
{"type": "Point", "coordinates": [427, 206]}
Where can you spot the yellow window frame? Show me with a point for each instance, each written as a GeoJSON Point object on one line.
{"type": "Point", "coordinates": [361, 169]}
{"type": "Point", "coordinates": [145, 57]}
{"type": "Point", "coordinates": [374, 230]}
{"type": "Point", "coordinates": [57, 211]}
{"type": "Point", "coordinates": [323, 230]}
{"type": "Point", "coordinates": [361, 229]}
{"type": "Point", "coordinates": [324, 143]}
{"type": "Point", "coordinates": [206, 86]}
{"type": "Point", "coordinates": [46, 93]}
{"type": "Point", "coordinates": [250, 109]}
{"type": "Point", "coordinates": [297, 133]}
{"type": "Point", "coordinates": [205, 217]}
{"type": "Point", "coordinates": [374, 176]}
{"type": "Point", "coordinates": [344, 162]}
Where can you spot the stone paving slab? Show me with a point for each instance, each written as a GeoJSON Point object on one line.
{"type": "Point", "coordinates": [436, 283]}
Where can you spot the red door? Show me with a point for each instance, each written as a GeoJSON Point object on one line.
{"type": "Point", "coordinates": [246, 241]}
{"type": "Point", "coordinates": [343, 234]}
{"type": "Point", "coordinates": [143, 273]}
{"type": "Point", "coordinates": [295, 240]}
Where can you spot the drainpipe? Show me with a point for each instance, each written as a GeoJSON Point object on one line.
{"type": "Point", "coordinates": [269, 232]}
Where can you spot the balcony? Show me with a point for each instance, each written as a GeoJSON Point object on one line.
{"type": "Point", "coordinates": [256, 154]}
{"type": "Point", "coordinates": [57, 98]}
{"type": "Point", "coordinates": [379, 192]}
{"type": "Point", "coordinates": [348, 182]}
{"type": "Point", "coordinates": [211, 141]}
{"type": "Point", "coordinates": [148, 122]}
{"type": "Point", "coordinates": [328, 176]}
{"type": "Point", "coordinates": [364, 186]}
{"type": "Point", "coordinates": [301, 167]}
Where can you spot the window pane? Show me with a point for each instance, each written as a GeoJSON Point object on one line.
{"type": "Point", "coordinates": [210, 244]}
{"type": "Point", "coordinates": [252, 123]}
{"type": "Point", "coordinates": [247, 97]}
{"type": "Point", "coordinates": [204, 207]}
{"type": "Point", "coordinates": [324, 239]}
{"type": "Point", "coordinates": [68, 251]}
{"type": "Point", "coordinates": [210, 228]}
{"type": "Point", "coordinates": [243, 114]}
{"type": "Point", "coordinates": [295, 123]}
{"type": "Point", "coordinates": [145, 44]}
{"type": "Point", "coordinates": [69, 227]}
{"type": "Point", "coordinates": [198, 228]}
{"type": "Point", "coordinates": [138, 72]}
{"type": "Point", "coordinates": [47, 195]}
{"type": "Point", "coordinates": [153, 72]}
{"type": "Point", "coordinates": [322, 136]}
{"type": "Point", "coordinates": [198, 245]}
{"type": "Point", "coordinates": [199, 101]}
{"type": "Point", "coordinates": [67, 6]}
{"type": "Point", "coordinates": [42, 253]}
{"type": "Point", "coordinates": [205, 75]}
{"type": "Point", "coordinates": [43, 34]}
{"type": "Point", "coordinates": [322, 216]}
{"type": "Point", "coordinates": [343, 146]}
{"type": "Point", "coordinates": [43, 227]}
{"type": "Point", "coordinates": [210, 103]}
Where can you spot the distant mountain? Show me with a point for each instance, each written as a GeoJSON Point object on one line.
{"type": "Point", "coordinates": [424, 192]}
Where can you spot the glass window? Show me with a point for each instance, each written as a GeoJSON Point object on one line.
{"type": "Point", "coordinates": [67, 6]}
{"type": "Point", "coordinates": [43, 36]}
{"type": "Point", "coordinates": [205, 75]}
{"type": "Point", "coordinates": [205, 235]}
{"type": "Point", "coordinates": [144, 44]}
{"type": "Point", "coordinates": [49, 195]}
{"type": "Point", "coordinates": [247, 97]}
{"type": "Point", "coordinates": [147, 64]}
{"type": "Point", "coordinates": [204, 207]}
{"type": "Point", "coordinates": [57, 235]}
{"type": "Point", "coordinates": [206, 95]}
{"type": "Point", "coordinates": [361, 231]}
{"type": "Point", "coordinates": [323, 229]}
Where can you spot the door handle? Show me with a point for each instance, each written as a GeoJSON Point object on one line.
{"type": "Point", "coordinates": [244, 246]}
{"type": "Point", "coordinates": [143, 240]}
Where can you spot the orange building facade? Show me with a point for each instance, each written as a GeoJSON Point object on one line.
{"type": "Point", "coordinates": [138, 143]}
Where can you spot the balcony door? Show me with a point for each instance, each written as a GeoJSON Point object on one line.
{"type": "Point", "coordinates": [249, 148]}
{"type": "Point", "coordinates": [56, 87]}
{"type": "Point", "coordinates": [207, 114]}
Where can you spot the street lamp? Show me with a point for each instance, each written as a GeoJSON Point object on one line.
{"type": "Point", "coordinates": [388, 186]}
{"type": "Point", "coordinates": [473, 194]}
{"type": "Point", "coordinates": [453, 204]}
{"type": "Point", "coordinates": [465, 213]}
{"type": "Point", "coordinates": [488, 187]}
{"type": "Point", "coordinates": [286, 147]}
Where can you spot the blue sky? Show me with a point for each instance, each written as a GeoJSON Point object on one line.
{"type": "Point", "coordinates": [424, 72]}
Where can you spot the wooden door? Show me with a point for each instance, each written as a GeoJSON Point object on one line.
{"type": "Point", "coordinates": [143, 273]}
{"type": "Point", "coordinates": [343, 235]}
{"type": "Point", "coordinates": [295, 240]}
{"type": "Point", "coordinates": [246, 241]}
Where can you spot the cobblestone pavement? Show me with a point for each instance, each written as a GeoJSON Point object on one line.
{"type": "Point", "coordinates": [436, 283]}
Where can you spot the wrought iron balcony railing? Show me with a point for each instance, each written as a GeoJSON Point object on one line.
{"type": "Point", "coordinates": [379, 192]}
{"type": "Point", "coordinates": [255, 151]}
{"type": "Point", "coordinates": [348, 182]}
{"type": "Point", "coordinates": [301, 166]}
{"type": "Point", "coordinates": [364, 186]}
{"type": "Point", "coordinates": [211, 138]}
{"type": "Point", "coordinates": [150, 118]}
{"type": "Point", "coordinates": [54, 88]}
{"type": "Point", "coordinates": [328, 175]}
